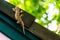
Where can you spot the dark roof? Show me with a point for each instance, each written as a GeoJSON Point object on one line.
{"type": "Point", "coordinates": [30, 25]}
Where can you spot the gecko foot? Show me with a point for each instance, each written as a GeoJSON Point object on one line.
{"type": "Point", "coordinates": [17, 22]}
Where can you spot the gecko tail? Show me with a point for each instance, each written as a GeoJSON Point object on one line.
{"type": "Point", "coordinates": [23, 30]}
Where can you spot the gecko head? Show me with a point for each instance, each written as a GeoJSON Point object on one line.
{"type": "Point", "coordinates": [17, 8]}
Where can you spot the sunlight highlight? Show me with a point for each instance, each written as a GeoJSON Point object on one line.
{"type": "Point", "coordinates": [44, 15]}
{"type": "Point", "coordinates": [53, 25]}
{"type": "Point", "coordinates": [36, 20]}
{"type": "Point", "coordinates": [22, 1]}
{"type": "Point", "coordinates": [51, 11]}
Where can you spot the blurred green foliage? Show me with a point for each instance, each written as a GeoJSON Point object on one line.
{"type": "Point", "coordinates": [34, 7]}
{"type": "Point", "coordinates": [38, 8]}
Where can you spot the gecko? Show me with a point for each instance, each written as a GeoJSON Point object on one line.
{"type": "Point", "coordinates": [18, 16]}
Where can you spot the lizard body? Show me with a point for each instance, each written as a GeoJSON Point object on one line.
{"type": "Point", "coordinates": [18, 17]}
